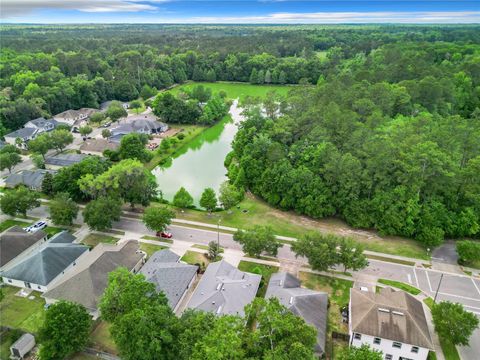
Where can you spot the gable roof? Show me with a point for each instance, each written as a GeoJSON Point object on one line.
{"type": "Point", "coordinates": [29, 178]}
{"type": "Point", "coordinates": [22, 133]}
{"type": "Point", "coordinates": [73, 114]}
{"type": "Point", "coordinates": [15, 240]}
{"type": "Point", "coordinates": [168, 275]}
{"type": "Point", "coordinates": [41, 122]}
{"type": "Point", "coordinates": [143, 123]}
{"type": "Point", "coordinates": [63, 237]}
{"type": "Point", "coordinates": [308, 304]}
{"type": "Point", "coordinates": [86, 282]}
{"type": "Point", "coordinates": [390, 314]}
{"type": "Point", "coordinates": [98, 145]}
{"type": "Point", "coordinates": [224, 289]}
{"type": "Point", "coordinates": [46, 263]}
{"type": "Point", "coordinates": [64, 159]}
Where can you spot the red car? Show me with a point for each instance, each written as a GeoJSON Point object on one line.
{"type": "Point", "coordinates": [164, 234]}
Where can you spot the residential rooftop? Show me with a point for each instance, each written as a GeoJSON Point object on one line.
{"type": "Point", "coordinates": [15, 240]}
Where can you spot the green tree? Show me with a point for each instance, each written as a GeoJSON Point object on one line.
{"type": "Point", "coordinates": [319, 249]}
{"type": "Point", "coordinates": [468, 251]}
{"type": "Point", "coordinates": [116, 111]}
{"type": "Point", "coordinates": [214, 250]}
{"type": "Point", "coordinates": [136, 105]}
{"type": "Point", "coordinates": [351, 256]}
{"type": "Point", "coordinates": [147, 92]}
{"type": "Point", "coordinates": [182, 199]}
{"type": "Point", "coordinates": [157, 218]}
{"type": "Point", "coordinates": [64, 331]}
{"type": "Point", "coordinates": [279, 333]}
{"type": "Point", "coordinates": [100, 213]}
{"type": "Point", "coordinates": [8, 160]}
{"type": "Point", "coordinates": [195, 325]}
{"type": "Point", "coordinates": [257, 240]}
{"type": "Point", "coordinates": [41, 144]}
{"type": "Point", "coordinates": [229, 195]}
{"type": "Point", "coordinates": [85, 130]}
{"type": "Point", "coordinates": [47, 184]}
{"type": "Point", "coordinates": [38, 161]}
{"type": "Point", "coordinates": [19, 201]}
{"type": "Point", "coordinates": [97, 117]}
{"type": "Point", "coordinates": [132, 146]}
{"type": "Point", "coordinates": [60, 139]}
{"type": "Point", "coordinates": [106, 133]}
{"type": "Point", "coordinates": [360, 353]}
{"type": "Point", "coordinates": [126, 292]}
{"type": "Point", "coordinates": [208, 199]}
{"type": "Point", "coordinates": [63, 210]}
{"type": "Point", "coordinates": [453, 322]}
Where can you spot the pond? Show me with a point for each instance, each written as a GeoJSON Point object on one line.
{"type": "Point", "coordinates": [199, 164]}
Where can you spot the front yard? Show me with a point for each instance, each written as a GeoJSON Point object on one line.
{"type": "Point", "coordinates": [194, 257]}
{"type": "Point", "coordinates": [7, 224]}
{"type": "Point", "coordinates": [151, 248]}
{"type": "Point", "coordinates": [21, 313]}
{"type": "Point", "coordinates": [265, 270]}
{"type": "Point", "coordinates": [95, 239]}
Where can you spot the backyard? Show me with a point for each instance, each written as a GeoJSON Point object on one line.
{"type": "Point", "coordinates": [21, 313]}
{"type": "Point", "coordinates": [265, 270]}
{"type": "Point", "coordinates": [101, 340]}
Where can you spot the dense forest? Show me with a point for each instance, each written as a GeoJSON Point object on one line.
{"type": "Point", "coordinates": [44, 72]}
{"type": "Point", "coordinates": [388, 140]}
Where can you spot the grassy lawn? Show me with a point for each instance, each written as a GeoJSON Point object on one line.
{"type": "Point", "coordinates": [253, 211]}
{"type": "Point", "coordinates": [21, 313]}
{"type": "Point", "coordinates": [100, 339]}
{"type": "Point", "coordinates": [193, 257]}
{"type": "Point", "coordinates": [83, 356]}
{"type": "Point", "coordinates": [9, 223]}
{"type": "Point", "coordinates": [265, 270]}
{"type": "Point", "coordinates": [95, 239]}
{"type": "Point", "coordinates": [151, 248]}
{"type": "Point", "coordinates": [236, 90]}
{"type": "Point", "coordinates": [52, 230]}
{"type": "Point", "coordinates": [7, 338]}
{"type": "Point", "coordinates": [388, 259]}
{"type": "Point", "coordinates": [400, 285]}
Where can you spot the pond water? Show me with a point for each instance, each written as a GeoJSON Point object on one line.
{"type": "Point", "coordinates": [199, 164]}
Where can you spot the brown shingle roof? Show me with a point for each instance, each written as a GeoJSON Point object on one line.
{"type": "Point", "coordinates": [98, 145]}
{"type": "Point", "coordinates": [390, 314]}
{"type": "Point", "coordinates": [14, 241]}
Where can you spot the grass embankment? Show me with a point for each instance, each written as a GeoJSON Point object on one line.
{"type": "Point", "coordinates": [448, 348]}
{"type": "Point", "coordinates": [253, 211]}
{"type": "Point", "coordinates": [21, 313]}
{"type": "Point", "coordinates": [265, 270]}
{"type": "Point", "coordinates": [400, 285]}
{"type": "Point", "coordinates": [95, 239]}
{"type": "Point", "coordinates": [338, 291]}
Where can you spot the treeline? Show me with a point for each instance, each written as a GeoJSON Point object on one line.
{"type": "Point", "coordinates": [387, 141]}
{"type": "Point", "coordinates": [44, 73]}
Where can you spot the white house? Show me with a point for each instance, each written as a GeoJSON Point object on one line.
{"type": "Point", "coordinates": [41, 124]}
{"type": "Point", "coordinates": [24, 134]}
{"type": "Point", "coordinates": [392, 322]}
{"type": "Point", "coordinates": [75, 117]}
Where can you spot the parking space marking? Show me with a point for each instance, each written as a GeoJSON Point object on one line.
{"type": "Point", "coordinates": [474, 284]}
{"type": "Point", "coordinates": [416, 278]}
{"type": "Point", "coordinates": [428, 280]}
{"type": "Point", "coordinates": [409, 278]}
{"type": "Point", "coordinates": [458, 296]}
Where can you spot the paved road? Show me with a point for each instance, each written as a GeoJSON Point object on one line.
{"type": "Point", "coordinates": [446, 253]}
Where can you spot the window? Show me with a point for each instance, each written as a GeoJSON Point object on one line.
{"type": "Point", "coordinates": [415, 349]}
{"type": "Point", "coordinates": [357, 336]}
{"type": "Point", "coordinates": [397, 345]}
{"type": "Point", "coordinates": [10, 281]}
{"type": "Point", "coordinates": [388, 357]}
{"type": "Point", "coordinates": [377, 341]}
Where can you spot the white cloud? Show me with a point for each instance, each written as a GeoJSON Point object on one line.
{"type": "Point", "coordinates": [16, 8]}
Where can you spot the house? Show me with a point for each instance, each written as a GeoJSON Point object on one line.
{"type": "Point", "coordinates": [30, 178]}
{"type": "Point", "coordinates": [61, 160]}
{"type": "Point", "coordinates": [24, 134]}
{"type": "Point", "coordinates": [44, 265]}
{"type": "Point", "coordinates": [390, 321]}
{"type": "Point", "coordinates": [169, 275]}
{"type": "Point", "coordinates": [98, 146]}
{"type": "Point", "coordinates": [310, 305]}
{"type": "Point", "coordinates": [41, 124]}
{"type": "Point", "coordinates": [224, 290]}
{"type": "Point", "coordinates": [104, 106]}
{"type": "Point", "coordinates": [142, 124]}
{"type": "Point", "coordinates": [22, 346]}
{"type": "Point", "coordinates": [75, 117]}
{"type": "Point", "coordinates": [16, 242]}
{"type": "Point", "coordinates": [86, 282]}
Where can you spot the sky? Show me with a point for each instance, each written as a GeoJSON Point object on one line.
{"type": "Point", "coordinates": [239, 11]}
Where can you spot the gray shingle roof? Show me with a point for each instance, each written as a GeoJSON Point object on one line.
{"type": "Point", "coordinates": [390, 314]}
{"type": "Point", "coordinates": [86, 283]}
{"type": "Point", "coordinates": [22, 133]}
{"type": "Point", "coordinates": [29, 178]}
{"type": "Point", "coordinates": [15, 240]}
{"type": "Point", "coordinates": [63, 237]}
{"type": "Point", "coordinates": [168, 275]}
{"type": "Point", "coordinates": [224, 289]}
{"type": "Point", "coordinates": [46, 263]}
{"type": "Point", "coordinates": [140, 124]}
{"type": "Point", "coordinates": [42, 122]}
{"type": "Point", "coordinates": [65, 159]}
{"type": "Point", "coordinates": [308, 304]}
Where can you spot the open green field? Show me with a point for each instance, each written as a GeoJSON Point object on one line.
{"type": "Point", "coordinates": [21, 313]}
{"type": "Point", "coordinates": [236, 90]}
{"type": "Point", "coordinates": [265, 270]}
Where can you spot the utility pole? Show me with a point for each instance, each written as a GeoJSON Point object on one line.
{"type": "Point", "coordinates": [218, 233]}
{"type": "Point", "coordinates": [438, 288]}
